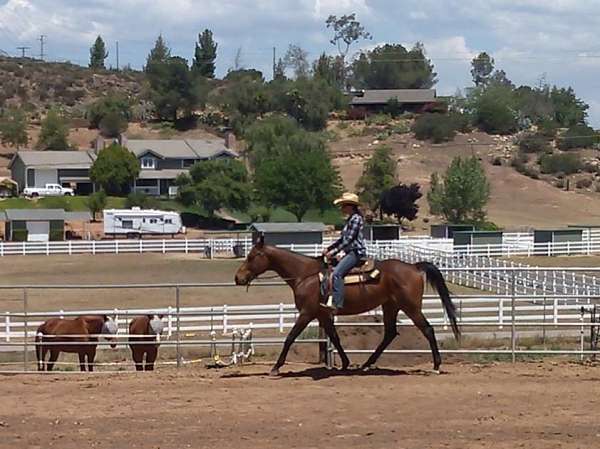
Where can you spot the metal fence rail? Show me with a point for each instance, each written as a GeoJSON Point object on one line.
{"type": "Point", "coordinates": [189, 326]}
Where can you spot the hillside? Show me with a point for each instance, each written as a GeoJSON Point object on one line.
{"type": "Point", "coordinates": [517, 201]}
{"type": "Point", "coordinates": [36, 85]}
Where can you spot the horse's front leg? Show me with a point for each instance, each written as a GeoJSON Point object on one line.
{"type": "Point", "coordinates": [301, 323]}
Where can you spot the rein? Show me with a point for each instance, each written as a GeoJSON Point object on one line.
{"type": "Point", "coordinates": [275, 276]}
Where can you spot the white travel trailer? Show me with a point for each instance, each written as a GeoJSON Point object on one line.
{"type": "Point", "coordinates": [137, 222]}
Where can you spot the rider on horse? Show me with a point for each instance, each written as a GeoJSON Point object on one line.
{"type": "Point", "coordinates": [351, 242]}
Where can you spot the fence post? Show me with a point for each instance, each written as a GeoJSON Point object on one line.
{"type": "Point", "coordinates": [178, 309]}
{"type": "Point", "coordinates": [1, 249]}
{"type": "Point", "coordinates": [94, 247]}
{"type": "Point", "coordinates": [170, 322]}
{"type": "Point", "coordinates": [581, 338]}
{"type": "Point", "coordinates": [186, 246]}
{"type": "Point", "coordinates": [24, 249]}
{"type": "Point", "coordinates": [47, 248]}
{"type": "Point", "coordinates": [513, 333]}
{"type": "Point", "coordinates": [116, 247]}
{"type": "Point", "coordinates": [70, 247]}
{"type": "Point", "coordinates": [7, 326]}
{"type": "Point", "coordinates": [25, 324]}
{"type": "Point", "coordinates": [280, 317]}
{"type": "Point", "coordinates": [555, 309]}
{"type": "Point", "coordinates": [225, 327]}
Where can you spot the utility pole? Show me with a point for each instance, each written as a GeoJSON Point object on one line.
{"type": "Point", "coordinates": [117, 56]}
{"type": "Point", "coordinates": [274, 63]}
{"type": "Point", "coordinates": [23, 49]}
{"type": "Point", "coordinates": [41, 39]}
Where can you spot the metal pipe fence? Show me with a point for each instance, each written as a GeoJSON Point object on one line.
{"type": "Point", "coordinates": [565, 314]}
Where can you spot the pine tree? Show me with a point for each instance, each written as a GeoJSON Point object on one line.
{"type": "Point", "coordinates": [205, 55]}
{"type": "Point", "coordinates": [159, 54]}
{"type": "Point", "coordinates": [98, 54]}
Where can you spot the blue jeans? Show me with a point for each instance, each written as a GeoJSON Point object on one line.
{"type": "Point", "coordinates": [349, 261]}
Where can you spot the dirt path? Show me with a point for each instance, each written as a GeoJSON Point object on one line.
{"type": "Point", "coordinates": [534, 405]}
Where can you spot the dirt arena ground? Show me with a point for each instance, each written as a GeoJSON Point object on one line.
{"type": "Point", "coordinates": [550, 404]}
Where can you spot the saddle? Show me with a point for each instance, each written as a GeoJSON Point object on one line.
{"type": "Point", "coordinates": [367, 271]}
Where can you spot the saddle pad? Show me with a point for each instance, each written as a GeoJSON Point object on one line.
{"type": "Point", "coordinates": [356, 278]}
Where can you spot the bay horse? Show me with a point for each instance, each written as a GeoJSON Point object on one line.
{"type": "Point", "coordinates": [149, 327]}
{"type": "Point", "coordinates": [400, 286]}
{"type": "Point", "coordinates": [84, 329]}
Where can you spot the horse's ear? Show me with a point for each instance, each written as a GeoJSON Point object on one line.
{"type": "Point", "coordinates": [261, 240]}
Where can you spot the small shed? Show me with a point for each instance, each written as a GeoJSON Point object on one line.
{"type": "Point", "coordinates": [446, 231]}
{"type": "Point", "coordinates": [289, 233]}
{"type": "Point", "coordinates": [382, 231]}
{"type": "Point", "coordinates": [544, 238]}
{"type": "Point", "coordinates": [557, 235]}
{"type": "Point", "coordinates": [462, 238]}
{"type": "Point", "coordinates": [38, 225]}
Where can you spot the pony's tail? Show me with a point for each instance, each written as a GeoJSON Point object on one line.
{"type": "Point", "coordinates": [436, 280]}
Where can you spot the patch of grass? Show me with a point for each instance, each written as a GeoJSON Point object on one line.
{"type": "Point", "coordinates": [71, 203]}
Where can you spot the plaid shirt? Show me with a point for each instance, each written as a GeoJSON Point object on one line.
{"type": "Point", "coordinates": [352, 238]}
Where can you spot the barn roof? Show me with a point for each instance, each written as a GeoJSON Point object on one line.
{"type": "Point", "coordinates": [271, 228]}
{"type": "Point", "coordinates": [44, 215]}
{"type": "Point", "coordinates": [382, 96]}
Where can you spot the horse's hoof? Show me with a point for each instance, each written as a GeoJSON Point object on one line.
{"type": "Point", "coordinates": [274, 372]}
{"type": "Point", "coordinates": [436, 371]}
{"type": "Point", "coordinates": [365, 369]}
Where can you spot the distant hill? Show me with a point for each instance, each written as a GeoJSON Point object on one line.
{"type": "Point", "coordinates": [36, 85]}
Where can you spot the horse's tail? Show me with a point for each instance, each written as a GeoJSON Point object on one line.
{"type": "Point", "coordinates": [436, 280]}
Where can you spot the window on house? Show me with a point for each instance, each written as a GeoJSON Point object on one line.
{"type": "Point", "coordinates": [153, 221]}
{"type": "Point", "coordinates": [127, 224]}
{"type": "Point", "coordinates": [168, 221]}
{"type": "Point", "coordinates": [148, 162]}
{"type": "Point", "coordinates": [187, 163]}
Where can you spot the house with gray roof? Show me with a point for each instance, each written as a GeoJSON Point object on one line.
{"type": "Point", "coordinates": [161, 161]}
{"type": "Point", "coordinates": [67, 168]}
{"type": "Point", "coordinates": [375, 100]}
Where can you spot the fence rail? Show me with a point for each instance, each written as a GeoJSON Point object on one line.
{"type": "Point", "coordinates": [513, 244]}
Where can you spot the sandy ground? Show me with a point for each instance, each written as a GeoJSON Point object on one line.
{"type": "Point", "coordinates": [529, 405]}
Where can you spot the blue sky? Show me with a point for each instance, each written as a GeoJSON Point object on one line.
{"type": "Point", "coordinates": [528, 38]}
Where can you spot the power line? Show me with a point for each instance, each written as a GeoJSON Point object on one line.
{"type": "Point", "coordinates": [41, 39]}
{"type": "Point", "coordinates": [23, 49]}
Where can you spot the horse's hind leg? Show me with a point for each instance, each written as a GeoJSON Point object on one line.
{"type": "Point", "coordinates": [421, 322]}
{"type": "Point", "coordinates": [91, 355]}
{"type": "Point", "coordinates": [42, 361]}
{"type": "Point", "coordinates": [390, 315]}
{"type": "Point", "coordinates": [52, 360]}
{"type": "Point", "coordinates": [301, 323]}
{"type": "Point", "coordinates": [331, 332]}
{"type": "Point", "coordinates": [81, 360]}
{"type": "Point", "coordinates": [151, 358]}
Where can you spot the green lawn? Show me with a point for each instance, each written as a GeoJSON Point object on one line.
{"type": "Point", "coordinates": [79, 203]}
{"type": "Point", "coordinates": [69, 203]}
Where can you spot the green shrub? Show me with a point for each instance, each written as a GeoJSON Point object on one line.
{"type": "Point", "coordinates": [578, 136]}
{"type": "Point", "coordinates": [141, 200]}
{"type": "Point", "coordinates": [401, 128]}
{"type": "Point", "coordinates": [533, 143]}
{"type": "Point", "coordinates": [393, 108]}
{"type": "Point", "coordinates": [462, 121]}
{"type": "Point", "coordinates": [556, 163]}
{"type": "Point", "coordinates": [435, 127]}
{"type": "Point", "coordinates": [378, 120]}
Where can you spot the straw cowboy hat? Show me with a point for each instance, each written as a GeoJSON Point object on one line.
{"type": "Point", "coordinates": [347, 198]}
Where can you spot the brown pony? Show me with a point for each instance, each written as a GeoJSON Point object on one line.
{"type": "Point", "coordinates": [151, 327]}
{"type": "Point", "coordinates": [399, 287]}
{"type": "Point", "coordinates": [84, 329]}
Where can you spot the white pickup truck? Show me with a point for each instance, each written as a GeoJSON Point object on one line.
{"type": "Point", "coordinates": [48, 190]}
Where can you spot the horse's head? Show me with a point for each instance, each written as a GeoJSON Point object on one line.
{"type": "Point", "coordinates": [109, 327]}
{"type": "Point", "coordinates": [255, 264]}
{"type": "Point", "coordinates": [156, 325]}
